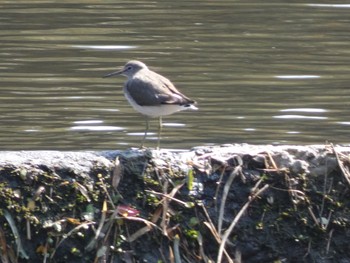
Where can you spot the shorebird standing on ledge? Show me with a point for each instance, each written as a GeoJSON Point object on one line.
{"type": "Point", "coordinates": [151, 94]}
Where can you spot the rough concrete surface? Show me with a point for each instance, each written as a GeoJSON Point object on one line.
{"type": "Point", "coordinates": [230, 203]}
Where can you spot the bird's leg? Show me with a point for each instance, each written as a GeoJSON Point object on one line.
{"type": "Point", "coordinates": [146, 131]}
{"type": "Point", "coordinates": [159, 131]}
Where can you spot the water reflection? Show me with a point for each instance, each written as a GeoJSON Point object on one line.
{"type": "Point", "coordinates": [261, 73]}
{"type": "Point", "coordinates": [105, 47]}
{"type": "Point", "coordinates": [299, 117]}
{"type": "Point", "coordinates": [304, 110]}
{"type": "Point", "coordinates": [298, 77]}
{"type": "Point", "coordinates": [330, 5]}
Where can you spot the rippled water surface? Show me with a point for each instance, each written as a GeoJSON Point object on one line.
{"type": "Point", "coordinates": [268, 72]}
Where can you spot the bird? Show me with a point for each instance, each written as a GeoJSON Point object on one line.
{"type": "Point", "coordinates": [151, 94]}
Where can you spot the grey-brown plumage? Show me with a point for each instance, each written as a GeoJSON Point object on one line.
{"type": "Point", "coordinates": [151, 94]}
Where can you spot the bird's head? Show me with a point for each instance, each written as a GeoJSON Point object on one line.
{"type": "Point", "coordinates": [129, 70]}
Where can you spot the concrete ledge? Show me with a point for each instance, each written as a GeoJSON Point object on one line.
{"type": "Point", "coordinates": [250, 202]}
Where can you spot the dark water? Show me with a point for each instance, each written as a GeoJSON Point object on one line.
{"type": "Point", "coordinates": [272, 72]}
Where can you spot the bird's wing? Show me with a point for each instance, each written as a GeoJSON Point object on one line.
{"type": "Point", "coordinates": [154, 89]}
{"type": "Point", "coordinates": [170, 94]}
{"type": "Point", "coordinates": [176, 97]}
{"type": "Point", "coordinates": [142, 92]}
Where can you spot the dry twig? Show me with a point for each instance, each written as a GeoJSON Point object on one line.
{"type": "Point", "coordinates": [235, 172]}
{"type": "Point", "coordinates": [344, 170]}
{"type": "Point", "coordinates": [237, 218]}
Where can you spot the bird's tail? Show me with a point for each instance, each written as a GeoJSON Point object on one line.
{"type": "Point", "coordinates": [191, 107]}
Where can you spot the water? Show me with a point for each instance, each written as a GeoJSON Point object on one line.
{"type": "Point", "coordinates": [273, 72]}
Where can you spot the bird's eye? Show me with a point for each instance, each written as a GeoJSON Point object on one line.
{"type": "Point", "coordinates": [130, 67]}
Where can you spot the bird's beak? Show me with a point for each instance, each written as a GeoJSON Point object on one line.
{"type": "Point", "coordinates": [114, 73]}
